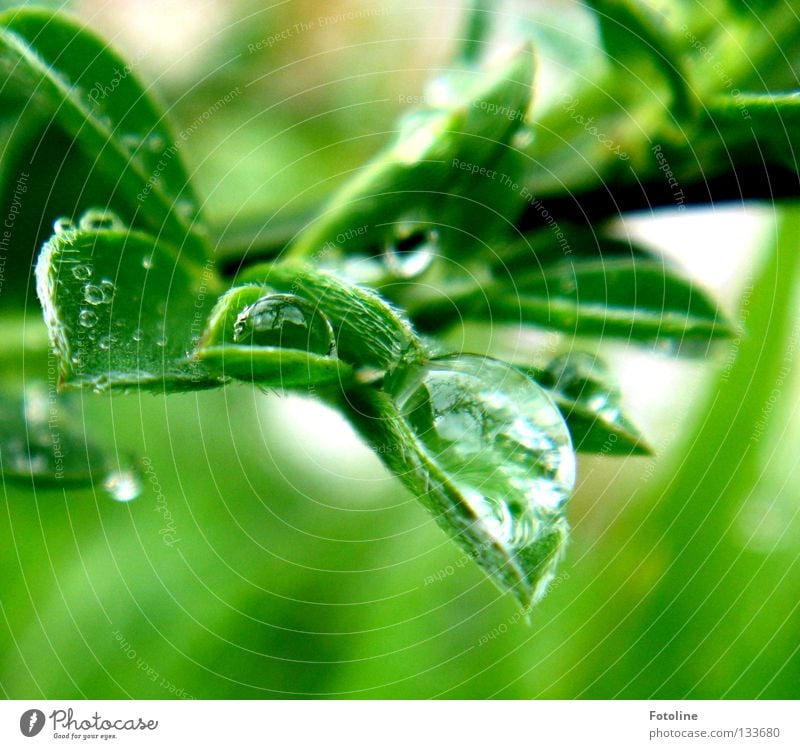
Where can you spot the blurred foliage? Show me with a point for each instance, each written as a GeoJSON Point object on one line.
{"type": "Point", "coordinates": [242, 573]}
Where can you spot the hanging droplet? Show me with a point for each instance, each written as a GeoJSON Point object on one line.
{"type": "Point", "coordinates": [500, 439]}
{"type": "Point", "coordinates": [412, 251]}
{"type": "Point", "coordinates": [285, 321]}
{"type": "Point", "coordinates": [123, 485]}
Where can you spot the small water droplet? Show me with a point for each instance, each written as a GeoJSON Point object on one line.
{"type": "Point", "coordinates": [147, 262]}
{"type": "Point", "coordinates": [87, 318]}
{"type": "Point", "coordinates": [523, 138]}
{"type": "Point", "coordinates": [63, 226]}
{"type": "Point", "coordinates": [100, 219]}
{"type": "Point", "coordinates": [96, 294]}
{"type": "Point", "coordinates": [285, 321]}
{"type": "Point", "coordinates": [82, 272]}
{"type": "Point", "coordinates": [93, 294]}
{"type": "Point", "coordinates": [154, 143]}
{"type": "Point", "coordinates": [582, 378]}
{"type": "Point", "coordinates": [130, 141]}
{"type": "Point", "coordinates": [412, 251]}
{"type": "Point", "coordinates": [500, 438]}
{"type": "Point", "coordinates": [137, 335]}
{"type": "Point", "coordinates": [161, 342]}
{"type": "Point", "coordinates": [123, 485]}
{"type": "Point", "coordinates": [186, 209]}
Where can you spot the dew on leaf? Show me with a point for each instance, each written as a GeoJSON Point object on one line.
{"type": "Point", "coordinates": [582, 378]}
{"type": "Point", "coordinates": [96, 219]}
{"type": "Point", "coordinates": [87, 318]}
{"type": "Point", "coordinates": [412, 251]}
{"type": "Point", "coordinates": [285, 321]}
{"type": "Point", "coordinates": [82, 272]}
{"type": "Point", "coordinates": [154, 143]}
{"type": "Point", "coordinates": [123, 485]}
{"type": "Point", "coordinates": [63, 226]}
{"type": "Point", "coordinates": [503, 444]}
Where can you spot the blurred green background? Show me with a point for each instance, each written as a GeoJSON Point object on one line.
{"type": "Point", "coordinates": [270, 554]}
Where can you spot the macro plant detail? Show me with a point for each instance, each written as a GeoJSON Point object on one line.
{"type": "Point", "coordinates": [485, 207]}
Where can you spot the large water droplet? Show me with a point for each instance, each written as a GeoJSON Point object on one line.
{"type": "Point", "coordinates": [123, 485]}
{"type": "Point", "coordinates": [499, 437]}
{"type": "Point", "coordinates": [285, 321]}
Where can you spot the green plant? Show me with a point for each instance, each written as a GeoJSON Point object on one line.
{"type": "Point", "coordinates": [468, 214]}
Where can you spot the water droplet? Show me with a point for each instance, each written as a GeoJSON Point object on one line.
{"type": "Point", "coordinates": [130, 141]}
{"type": "Point", "coordinates": [186, 209]}
{"type": "Point", "coordinates": [523, 138]}
{"type": "Point", "coordinates": [582, 378]}
{"type": "Point", "coordinates": [96, 294]}
{"type": "Point", "coordinates": [498, 435]}
{"type": "Point", "coordinates": [82, 272]}
{"type": "Point", "coordinates": [161, 342]}
{"type": "Point", "coordinates": [106, 342]}
{"type": "Point", "coordinates": [87, 318]}
{"type": "Point", "coordinates": [147, 262]}
{"type": "Point", "coordinates": [100, 219]}
{"type": "Point", "coordinates": [123, 485]}
{"type": "Point", "coordinates": [63, 226]}
{"type": "Point", "coordinates": [285, 321]}
{"type": "Point", "coordinates": [137, 335]}
{"type": "Point", "coordinates": [155, 142]}
{"type": "Point", "coordinates": [412, 251]}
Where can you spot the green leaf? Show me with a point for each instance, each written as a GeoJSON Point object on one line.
{"type": "Point", "coordinates": [471, 115]}
{"type": "Point", "coordinates": [74, 78]}
{"type": "Point", "coordinates": [760, 126]}
{"type": "Point", "coordinates": [124, 309]}
{"type": "Point", "coordinates": [630, 29]}
{"type": "Point", "coordinates": [591, 405]}
{"type": "Point", "coordinates": [370, 333]}
{"type": "Point", "coordinates": [643, 300]}
{"type": "Point", "coordinates": [282, 366]}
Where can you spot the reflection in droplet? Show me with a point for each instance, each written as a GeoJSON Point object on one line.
{"type": "Point", "coordinates": [501, 440]}
{"type": "Point", "coordinates": [285, 321]}
{"type": "Point", "coordinates": [123, 485]}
